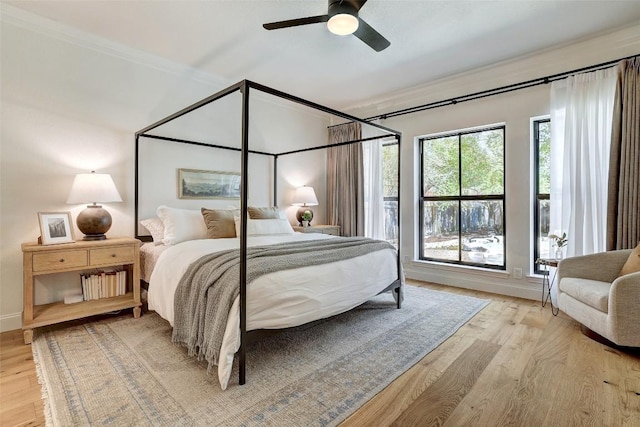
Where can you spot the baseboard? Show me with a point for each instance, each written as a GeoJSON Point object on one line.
{"type": "Point", "coordinates": [477, 282]}
{"type": "Point", "coordinates": [10, 322]}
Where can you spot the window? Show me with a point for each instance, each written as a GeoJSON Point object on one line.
{"type": "Point", "coordinates": [542, 186]}
{"type": "Point", "coordinates": [462, 197]}
{"type": "Point", "coordinates": [390, 191]}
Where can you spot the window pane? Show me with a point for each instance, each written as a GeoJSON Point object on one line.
{"type": "Point", "coordinates": [440, 167]}
{"type": "Point", "coordinates": [542, 138]}
{"type": "Point", "coordinates": [440, 226]}
{"type": "Point", "coordinates": [544, 153]}
{"type": "Point", "coordinates": [482, 163]}
{"type": "Point", "coordinates": [482, 232]}
{"type": "Point", "coordinates": [390, 170]}
{"type": "Point", "coordinates": [543, 227]}
{"type": "Point", "coordinates": [391, 222]}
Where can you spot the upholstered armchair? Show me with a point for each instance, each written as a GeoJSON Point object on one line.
{"type": "Point", "coordinates": [591, 290]}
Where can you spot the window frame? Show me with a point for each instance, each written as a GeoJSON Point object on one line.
{"type": "Point", "coordinates": [462, 198]}
{"type": "Point", "coordinates": [537, 196]}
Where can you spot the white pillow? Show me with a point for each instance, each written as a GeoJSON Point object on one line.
{"type": "Point", "coordinates": [181, 225]}
{"type": "Point", "coordinates": [155, 227]}
{"type": "Point", "coordinates": [258, 227]}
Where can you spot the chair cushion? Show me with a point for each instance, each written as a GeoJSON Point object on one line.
{"type": "Point", "coordinates": [633, 262]}
{"type": "Point", "coordinates": [591, 292]}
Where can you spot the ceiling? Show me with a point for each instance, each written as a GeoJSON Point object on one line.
{"type": "Point", "coordinates": [429, 39]}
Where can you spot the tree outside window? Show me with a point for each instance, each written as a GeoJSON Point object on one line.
{"type": "Point", "coordinates": [542, 188]}
{"type": "Point", "coordinates": [390, 190]}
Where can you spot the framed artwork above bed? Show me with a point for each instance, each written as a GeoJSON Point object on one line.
{"type": "Point", "coordinates": [204, 184]}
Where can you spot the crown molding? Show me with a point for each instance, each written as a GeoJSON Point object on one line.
{"type": "Point", "coordinates": [598, 47]}
{"type": "Point", "coordinates": [31, 22]}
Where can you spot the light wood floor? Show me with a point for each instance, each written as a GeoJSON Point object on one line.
{"type": "Point", "coordinates": [512, 364]}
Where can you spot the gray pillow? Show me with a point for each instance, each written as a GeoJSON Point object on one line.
{"type": "Point", "coordinates": [219, 222]}
{"type": "Point", "coordinates": [264, 213]}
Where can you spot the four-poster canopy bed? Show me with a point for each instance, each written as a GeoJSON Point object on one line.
{"type": "Point", "coordinates": [387, 258]}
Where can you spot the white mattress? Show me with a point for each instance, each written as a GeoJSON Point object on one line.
{"type": "Point", "coordinates": [276, 300]}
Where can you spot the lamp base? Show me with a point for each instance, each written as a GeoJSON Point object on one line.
{"type": "Point", "coordinates": [94, 237]}
{"type": "Point", "coordinates": [301, 212]}
{"type": "Point", "coordinates": [94, 222]}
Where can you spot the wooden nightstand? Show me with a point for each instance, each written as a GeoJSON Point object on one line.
{"type": "Point", "coordinates": [38, 260]}
{"type": "Point", "coordinates": [334, 230]}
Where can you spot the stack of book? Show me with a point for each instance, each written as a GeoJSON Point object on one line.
{"type": "Point", "coordinates": [103, 284]}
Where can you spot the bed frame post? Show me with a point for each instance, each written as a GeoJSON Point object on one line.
{"type": "Point", "coordinates": [244, 187]}
{"type": "Point", "coordinates": [275, 180]}
{"type": "Point", "coordinates": [135, 184]}
{"type": "Point", "coordinates": [398, 230]}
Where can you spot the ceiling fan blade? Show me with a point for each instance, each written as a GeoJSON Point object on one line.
{"type": "Point", "coordinates": [374, 39]}
{"type": "Point", "coordinates": [296, 22]}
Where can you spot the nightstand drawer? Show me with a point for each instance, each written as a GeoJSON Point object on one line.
{"type": "Point", "coordinates": [60, 260]}
{"type": "Point", "coordinates": [115, 255]}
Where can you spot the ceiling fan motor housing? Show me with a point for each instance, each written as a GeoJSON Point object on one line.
{"type": "Point", "coordinates": [337, 7]}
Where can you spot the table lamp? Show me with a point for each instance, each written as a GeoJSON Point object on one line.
{"type": "Point", "coordinates": [304, 197]}
{"type": "Point", "coordinates": [94, 221]}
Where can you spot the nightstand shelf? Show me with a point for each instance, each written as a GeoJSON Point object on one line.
{"type": "Point", "coordinates": [122, 253]}
{"type": "Point", "coordinates": [334, 230]}
{"type": "Point", "coordinates": [56, 312]}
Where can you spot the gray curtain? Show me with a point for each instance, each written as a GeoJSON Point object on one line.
{"type": "Point", "coordinates": [623, 200]}
{"type": "Point", "coordinates": [345, 201]}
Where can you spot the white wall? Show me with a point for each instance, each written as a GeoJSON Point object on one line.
{"type": "Point", "coordinates": [72, 103]}
{"type": "Point", "coordinates": [515, 109]}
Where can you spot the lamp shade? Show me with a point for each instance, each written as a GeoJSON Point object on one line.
{"type": "Point", "coordinates": [305, 196]}
{"type": "Point", "coordinates": [93, 188]}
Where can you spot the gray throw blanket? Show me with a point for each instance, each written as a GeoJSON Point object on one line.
{"type": "Point", "coordinates": [210, 285]}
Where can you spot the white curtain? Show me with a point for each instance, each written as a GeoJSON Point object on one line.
{"type": "Point", "coordinates": [373, 186]}
{"type": "Point", "coordinates": [581, 118]}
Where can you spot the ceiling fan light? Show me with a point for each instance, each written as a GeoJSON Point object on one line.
{"type": "Point", "coordinates": [343, 24]}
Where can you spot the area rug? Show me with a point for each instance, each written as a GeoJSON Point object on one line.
{"type": "Point", "coordinates": [125, 371]}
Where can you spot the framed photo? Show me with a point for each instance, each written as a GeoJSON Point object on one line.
{"type": "Point", "coordinates": [55, 227]}
{"type": "Point", "coordinates": [202, 184]}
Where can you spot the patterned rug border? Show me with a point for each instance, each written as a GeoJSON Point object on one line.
{"type": "Point", "coordinates": [53, 417]}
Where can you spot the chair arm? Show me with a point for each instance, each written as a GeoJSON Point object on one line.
{"type": "Point", "coordinates": [624, 306]}
{"type": "Point", "coordinates": [603, 266]}
{"type": "Point", "coordinates": [626, 288]}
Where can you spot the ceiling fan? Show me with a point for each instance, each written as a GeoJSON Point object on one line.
{"type": "Point", "coordinates": [342, 19]}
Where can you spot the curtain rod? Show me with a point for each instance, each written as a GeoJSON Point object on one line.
{"type": "Point", "coordinates": [496, 91]}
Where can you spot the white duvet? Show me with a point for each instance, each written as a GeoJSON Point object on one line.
{"type": "Point", "coordinates": [276, 300]}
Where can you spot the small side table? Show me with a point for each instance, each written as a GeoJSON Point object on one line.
{"type": "Point", "coordinates": [547, 283]}
{"type": "Point", "coordinates": [114, 252]}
